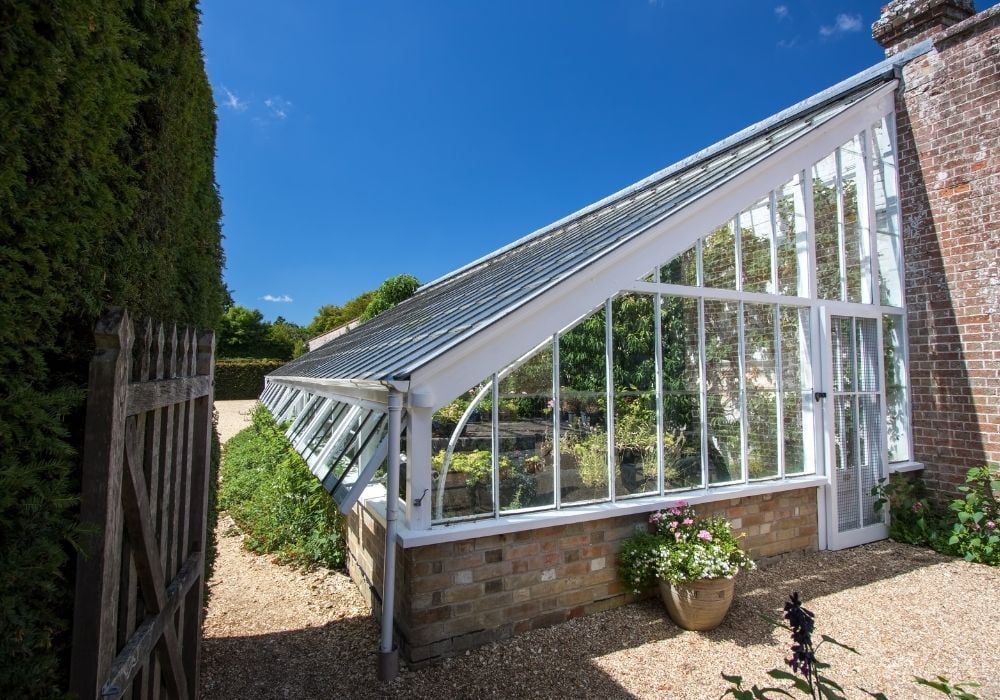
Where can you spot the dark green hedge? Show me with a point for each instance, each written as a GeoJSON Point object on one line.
{"type": "Point", "coordinates": [242, 378]}
{"type": "Point", "coordinates": [108, 196]}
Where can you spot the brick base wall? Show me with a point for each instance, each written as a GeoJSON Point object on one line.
{"type": "Point", "coordinates": [458, 595]}
{"type": "Point", "coordinates": [949, 168]}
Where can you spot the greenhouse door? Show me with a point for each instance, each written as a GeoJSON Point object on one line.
{"type": "Point", "coordinates": [855, 429]}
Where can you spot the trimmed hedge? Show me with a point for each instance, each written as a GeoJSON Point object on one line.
{"type": "Point", "coordinates": [242, 378]}
{"type": "Point", "coordinates": [277, 502]}
{"type": "Point", "coordinates": [108, 195]}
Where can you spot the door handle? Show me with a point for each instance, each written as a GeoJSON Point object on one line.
{"type": "Point", "coordinates": [819, 395]}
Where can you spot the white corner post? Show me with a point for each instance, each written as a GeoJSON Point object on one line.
{"type": "Point", "coordinates": [388, 657]}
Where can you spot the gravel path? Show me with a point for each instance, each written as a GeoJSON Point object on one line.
{"type": "Point", "coordinates": [233, 417]}
{"type": "Point", "coordinates": [274, 632]}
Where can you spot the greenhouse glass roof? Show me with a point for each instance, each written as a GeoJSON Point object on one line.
{"type": "Point", "coordinates": [447, 312]}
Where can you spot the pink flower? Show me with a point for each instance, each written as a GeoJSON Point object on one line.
{"type": "Point", "coordinates": [991, 525]}
{"type": "Point", "coordinates": [677, 536]}
{"type": "Point", "coordinates": [682, 504]}
{"type": "Point", "coordinates": [917, 507]}
{"type": "Point", "coordinates": [656, 517]}
{"type": "Point", "coordinates": [705, 535]}
{"type": "Point", "coordinates": [687, 521]}
{"type": "Point", "coordinates": [673, 524]}
{"type": "Point", "coordinates": [550, 403]}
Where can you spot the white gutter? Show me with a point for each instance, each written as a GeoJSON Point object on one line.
{"type": "Point", "coordinates": [388, 657]}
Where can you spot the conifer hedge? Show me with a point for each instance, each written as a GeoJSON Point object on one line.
{"type": "Point", "coordinates": [107, 196]}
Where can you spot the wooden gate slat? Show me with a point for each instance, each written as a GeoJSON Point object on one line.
{"type": "Point", "coordinates": [150, 396]}
{"type": "Point", "coordinates": [200, 485]}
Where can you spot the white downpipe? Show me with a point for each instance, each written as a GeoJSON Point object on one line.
{"type": "Point", "coordinates": [388, 665]}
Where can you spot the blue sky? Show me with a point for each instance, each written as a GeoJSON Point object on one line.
{"type": "Point", "coordinates": [360, 140]}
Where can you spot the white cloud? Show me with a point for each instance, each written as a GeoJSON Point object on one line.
{"type": "Point", "coordinates": [233, 101]}
{"type": "Point", "coordinates": [844, 23]}
{"type": "Point", "coordinates": [278, 107]}
{"type": "Point", "coordinates": [280, 299]}
{"type": "Point", "coordinates": [788, 43]}
{"type": "Point", "coordinates": [781, 11]}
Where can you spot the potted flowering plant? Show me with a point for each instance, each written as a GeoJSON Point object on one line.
{"type": "Point", "coordinates": [693, 560]}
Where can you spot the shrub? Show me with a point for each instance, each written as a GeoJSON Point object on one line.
{"type": "Point", "coordinates": [975, 534]}
{"type": "Point", "coordinates": [914, 518]}
{"type": "Point", "coordinates": [242, 378]}
{"type": "Point", "coordinates": [278, 504]}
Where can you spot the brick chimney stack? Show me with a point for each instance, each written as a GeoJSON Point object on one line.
{"type": "Point", "coordinates": [907, 22]}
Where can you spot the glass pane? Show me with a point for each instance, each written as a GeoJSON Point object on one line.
{"type": "Point", "coordinates": [870, 454]}
{"type": "Point", "coordinates": [791, 236]}
{"type": "Point", "coordinates": [755, 246]}
{"type": "Point", "coordinates": [866, 342]}
{"type": "Point", "coordinates": [824, 176]}
{"type": "Point", "coordinates": [683, 269]}
{"type": "Point", "coordinates": [718, 252]}
{"type": "Point", "coordinates": [633, 332]}
{"type": "Point", "coordinates": [462, 455]}
{"type": "Point", "coordinates": [794, 417]}
{"type": "Point", "coordinates": [842, 351]}
{"type": "Point", "coordinates": [355, 442]}
{"type": "Point", "coordinates": [758, 340]}
{"type": "Point", "coordinates": [525, 433]}
{"type": "Point", "coordinates": [852, 169]}
{"type": "Point", "coordinates": [886, 216]}
{"type": "Point", "coordinates": [583, 437]}
{"type": "Point", "coordinates": [761, 382]}
{"type": "Point", "coordinates": [722, 383]}
{"type": "Point", "coordinates": [796, 399]}
{"type": "Point", "coordinates": [845, 461]}
{"type": "Point", "coordinates": [897, 416]}
{"type": "Point", "coordinates": [681, 392]}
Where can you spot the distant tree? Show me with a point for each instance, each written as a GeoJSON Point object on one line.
{"type": "Point", "coordinates": [330, 316]}
{"type": "Point", "coordinates": [391, 292]}
{"type": "Point", "coordinates": [244, 333]}
{"type": "Point", "coordinates": [288, 336]}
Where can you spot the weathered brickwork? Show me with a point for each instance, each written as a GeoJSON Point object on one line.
{"type": "Point", "coordinates": [949, 164]}
{"type": "Point", "coordinates": [458, 595]}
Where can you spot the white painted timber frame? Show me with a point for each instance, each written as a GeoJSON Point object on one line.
{"type": "Point", "coordinates": [506, 338]}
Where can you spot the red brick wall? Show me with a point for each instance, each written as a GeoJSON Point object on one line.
{"type": "Point", "coordinates": [458, 595]}
{"type": "Point", "coordinates": [949, 164]}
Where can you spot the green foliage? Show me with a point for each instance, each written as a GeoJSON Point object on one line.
{"type": "Point", "coordinates": [391, 292]}
{"type": "Point", "coordinates": [278, 504]}
{"type": "Point", "coordinates": [244, 333]}
{"type": "Point", "coordinates": [242, 378]}
{"type": "Point", "coordinates": [948, 688]}
{"type": "Point", "coordinates": [108, 197]}
{"type": "Point", "coordinates": [970, 528]}
{"type": "Point", "coordinates": [914, 519]}
{"type": "Point", "coordinates": [332, 316]}
{"type": "Point", "coordinates": [975, 534]}
{"type": "Point", "coordinates": [682, 548]}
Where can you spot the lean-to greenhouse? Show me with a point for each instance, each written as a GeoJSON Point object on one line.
{"type": "Point", "coordinates": [729, 332]}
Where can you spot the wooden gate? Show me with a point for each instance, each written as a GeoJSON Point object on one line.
{"type": "Point", "coordinates": [144, 501]}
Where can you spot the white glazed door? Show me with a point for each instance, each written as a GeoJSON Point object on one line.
{"type": "Point", "coordinates": [854, 413]}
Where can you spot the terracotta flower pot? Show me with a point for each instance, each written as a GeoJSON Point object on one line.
{"type": "Point", "coordinates": [698, 605]}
